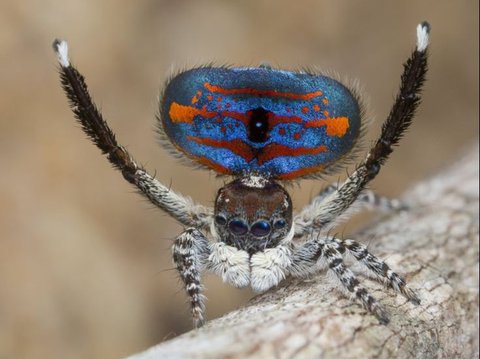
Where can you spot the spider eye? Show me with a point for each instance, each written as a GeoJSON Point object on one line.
{"type": "Point", "coordinates": [260, 228]}
{"type": "Point", "coordinates": [238, 227]}
{"type": "Point", "coordinates": [279, 224]}
{"type": "Point", "coordinates": [220, 220]}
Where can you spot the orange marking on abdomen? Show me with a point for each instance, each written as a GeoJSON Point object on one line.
{"type": "Point", "coordinates": [316, 108]}
{"type": "Point", "coordinates": [325, 101]}
{"type": "Point", "coordinates": [336, 126]}
{"type": "Point", "coordinates": [256, 92]}
{"type": "Point", "coordinates": [186, 114]}
{"type": "Point", "coordinates": [274, 150]}
{"type": "Point", "coordinates": [305, 109]}
{"type": "Point", "coordinates": [237, 146]}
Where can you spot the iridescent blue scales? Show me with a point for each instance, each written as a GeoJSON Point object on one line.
{"type": "Point", "coordinates": [274, 123]}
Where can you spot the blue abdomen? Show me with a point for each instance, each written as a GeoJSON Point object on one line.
{"type": "Point", "coordinates": [275, 123]}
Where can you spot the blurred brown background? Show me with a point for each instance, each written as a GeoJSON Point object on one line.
{"type": "Point", "coordinates": [85, 267]}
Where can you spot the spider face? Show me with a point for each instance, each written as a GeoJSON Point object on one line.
{"type": "Point", "coordinates": [252, 215]}
{"type": "Point", "coordinates": [262, 125]}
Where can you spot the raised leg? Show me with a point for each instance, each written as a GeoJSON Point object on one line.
{"type": "Point", "coordinates": [190, 253]}
{"type": "Point", "coordinates": [180, 207]}
{"type": "Point", "coordinates": [399, 119]}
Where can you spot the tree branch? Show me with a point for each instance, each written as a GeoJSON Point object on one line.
{"type": "Point", "coordinates": [435, 244]}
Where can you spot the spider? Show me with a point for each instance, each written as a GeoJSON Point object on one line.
{"type": "Point", "coordinates": [262, 126]}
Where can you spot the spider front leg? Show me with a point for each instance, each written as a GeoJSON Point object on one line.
{"type": "Point", "coordinates": [399, 119]}
{"type": "Point", "coordinates": [190, 254]}
{"type": "Point", "coordinates": [179, 207]}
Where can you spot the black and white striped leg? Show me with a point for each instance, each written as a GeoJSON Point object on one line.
{"type": "Point", "coordinates": [190, 253]}
{"type": "Point", "coordinates": [324, 253]}
{"type": "Point", "coordinates": [380, 202]}
{"type": "Point", "coordinates": [379, 268]}
{"type": "Point", "coordinates": [367, 198]}
{"type": "Point", "coordinates": [350, 282]}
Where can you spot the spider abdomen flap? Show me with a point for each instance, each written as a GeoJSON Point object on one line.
{"type": "Point", "coordinates": [275, 123]}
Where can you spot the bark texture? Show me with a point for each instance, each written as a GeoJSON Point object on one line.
{"type": "Point", "coordinates": [434, 244]}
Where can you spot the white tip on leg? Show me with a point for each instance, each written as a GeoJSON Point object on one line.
{"type": "Point", "coordinates": [61, 49]}
{"type": "Point", "coordinates": [423, 31]}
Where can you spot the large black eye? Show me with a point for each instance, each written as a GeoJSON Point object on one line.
{"type": "Point", "coordinates": [220, 220]}
{"type": "Point", "coordinates": [260, 229]}
{"type": "Point", "coordinates": [238, 227]}
{"type": "Point", "coordinates": [279, 224]}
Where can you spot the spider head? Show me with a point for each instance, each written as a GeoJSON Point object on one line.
{"type": "Point", "coordinates": [252, 213]}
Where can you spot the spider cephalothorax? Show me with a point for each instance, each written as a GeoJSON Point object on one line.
{"type": "Point", "coordinates": [262, 125]}
{"type": "Point", "coordinates": [252, 214]}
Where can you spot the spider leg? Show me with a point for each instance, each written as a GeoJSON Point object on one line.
{"type": "Point", "coordinates": [397, 122]}
{"type": "Point", "coordinates": [374, 200]}
{"type": "Point", "coordinates": [190, 253]}
{"type": "Point", "coordinates": [73, 83]}
{"type": "Point", "coordinates": [323, 251]}
{"type": "Point", "coordinates": [366, 199]}
{"type": "Point", "coordinates": [379, 268]}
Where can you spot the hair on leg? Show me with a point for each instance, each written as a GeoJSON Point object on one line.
{"type": "Point", "coordinates": [190, 253]}
{"type": "Point", "coordinates": [181, 208]}
{"type": "Point", "coordinates": [397, 122]}
{"type": "Point", "coordinates": [377, 266]}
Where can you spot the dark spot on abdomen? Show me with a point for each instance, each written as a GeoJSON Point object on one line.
{"type": "Point", "coordinates": [258, 125]}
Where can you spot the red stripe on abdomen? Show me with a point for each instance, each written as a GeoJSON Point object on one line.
{"type": "Point", "coordinates": [256, 92]}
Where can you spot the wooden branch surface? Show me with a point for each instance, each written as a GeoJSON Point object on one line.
{"type": "Point", "coordinates": [434, 244]}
